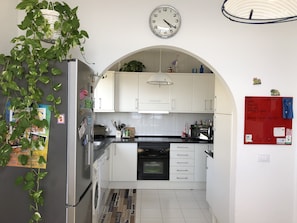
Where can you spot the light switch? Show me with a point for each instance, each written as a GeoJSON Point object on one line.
{"type": "Point", "coordinates": [264, 158]}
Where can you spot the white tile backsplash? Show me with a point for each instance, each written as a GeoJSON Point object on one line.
{"type": "Point", "coordinates": [171, 124]}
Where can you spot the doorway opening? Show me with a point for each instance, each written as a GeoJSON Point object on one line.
{"type": "Point", "coordinates": [224, 116]}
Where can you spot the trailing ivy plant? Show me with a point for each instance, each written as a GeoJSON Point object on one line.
{"type": "Point", "coordinates": [25, 72]}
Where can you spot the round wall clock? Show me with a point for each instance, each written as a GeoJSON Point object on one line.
{"type": "Point", "coordinates": [165, 21]}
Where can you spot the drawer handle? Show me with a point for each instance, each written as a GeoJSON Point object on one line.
{"type": "Point", "coordinates": [182, 162]}
{"type": "Point", "coordinates": [182, 178]}
{"type": "Point", "coordinates": [182, 154]}
{"type": "Point", "coordinates": [182, 170]}
{"type": "Point", "coordinates": [182, 147]}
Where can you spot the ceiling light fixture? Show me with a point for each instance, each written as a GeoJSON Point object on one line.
{"type": "Point", "coordinates": [160, 78]}
{"type": "Point", "coordinates": [260, 11]}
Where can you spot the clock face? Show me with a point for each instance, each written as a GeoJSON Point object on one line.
{"type": "Point", "coordinates": [165, 21]}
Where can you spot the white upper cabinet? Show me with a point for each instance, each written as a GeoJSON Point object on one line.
{"type": "Point", "coordinates": [181, 92]}
{"type": "Point", "coordinates": [153, 97]}
{"type": "Point", "coordinates": [104, 93]}
{"type": "Point", "coordinates": [130, 92]}
{"type": "Point", "coordinates": [126, 91]}
{"type": "Point", "coordinates": [203, 93]}
{"type": "Point", "coordinates": [223, 103]}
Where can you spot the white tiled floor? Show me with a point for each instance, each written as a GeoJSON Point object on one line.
{"type": "Point", "coordinates": [172, 206]}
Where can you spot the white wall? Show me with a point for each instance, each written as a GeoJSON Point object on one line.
{"type": "Point", "coordinates": [152, 124]}
{"type": "Point", "coordinates": [8, 21]}
{"type": "Point", "coordinates": [264, 192]}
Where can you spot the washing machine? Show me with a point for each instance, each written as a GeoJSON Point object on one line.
{"type": "Point", "coordinates": [96, 191]}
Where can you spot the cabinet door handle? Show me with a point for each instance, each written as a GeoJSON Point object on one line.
{"type": "Point", "coordinates": [136, 103]}
{"type": "Point", "coordinates": [173, 104]}
{"type": "Point", "coordinates": [100, 103]}
{"type": "Point", "coordinates": [211, 104]}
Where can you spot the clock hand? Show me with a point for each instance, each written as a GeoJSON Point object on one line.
{"type": "Point", "coordinates": [169, 24]}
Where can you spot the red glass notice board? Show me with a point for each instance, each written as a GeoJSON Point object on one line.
{"type": "Point", "coordinates": [266, 121]}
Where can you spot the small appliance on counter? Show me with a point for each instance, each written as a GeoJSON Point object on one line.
{"type": "Point", "coordinates": [100, 132]}
{"type": "Point", "coordinates": [202, 132]}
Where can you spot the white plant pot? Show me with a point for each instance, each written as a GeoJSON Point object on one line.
{"type": "Point", "coordinates": [51, 16]}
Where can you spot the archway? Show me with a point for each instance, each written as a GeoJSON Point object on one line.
{"type": "Point", "coordinates": [225, 111]}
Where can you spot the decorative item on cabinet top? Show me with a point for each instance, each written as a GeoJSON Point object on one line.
{"type": "Point", "coordinates": [133, 66]}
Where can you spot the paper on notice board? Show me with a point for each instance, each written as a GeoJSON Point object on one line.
{"type": "Point", "coordinates": [279, 131]}
{"type": "Point", "coordinates": [249, 138]}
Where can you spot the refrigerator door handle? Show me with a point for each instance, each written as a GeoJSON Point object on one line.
{"type": "Point", "coordinates": [89, 153]}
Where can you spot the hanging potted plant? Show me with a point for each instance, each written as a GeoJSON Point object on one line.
{"type": "Point", "coordinates": [23, 74]}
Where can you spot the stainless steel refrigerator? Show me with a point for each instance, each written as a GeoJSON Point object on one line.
{"type": "Point", "coordinates": [68, 185]}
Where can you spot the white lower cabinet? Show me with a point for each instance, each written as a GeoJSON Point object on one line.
{"type": "Point", "coordinates": [123, 162]}
{"type": "Point", "coordinates": [182, 162]}
{"type": "Point", "coordinates": [188, 162]}
{"type": "Point", "coordinates": [200, 161]}
{"type": "Point", "coordinates": [210, 186]}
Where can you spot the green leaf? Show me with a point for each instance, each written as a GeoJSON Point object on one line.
{"type": "Point", "coordinates": [23, 159]}
{"type": "Point", "coordinates": [2, 59]}
{"type": "Point", "coordinates": [25, 143]}
{"type": "Point", "coordinates": [5, 151]}
{"type": "Point", "coordinates": [29, 185]}
{"type": "Point", "coordinates": [44, 79]}
{"type": "Point", "coordinates": [36, 194]}
{"type": "Point", "coordinates": [84, 33]}
{"type": "Point", "coordinates": [58, 101]}
{"type": "Point", "coordinates": [29, 33]}
{"type": "Point", "coordinates": [19, 180]}
{"type": "Point", "coordinates": [50, 98]}
{"type": "Point", "coordinates": [57, 87]}
{"type": "Point", "coordinates": [56, 71]}
{"type": "Point", "coordinates": [42, 175]}
{"type": "Point", "coordinates": [30, 176]}
{"type": "Point", "coordinates": [36, 216]}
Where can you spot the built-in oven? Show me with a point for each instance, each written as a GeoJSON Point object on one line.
{"type": "Point", "coordinates": [153, 161]}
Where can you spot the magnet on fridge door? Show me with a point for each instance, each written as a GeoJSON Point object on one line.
{"type": "Point", "coordinates": [61, 119]}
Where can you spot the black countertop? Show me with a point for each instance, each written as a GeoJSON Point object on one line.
{"type": "Point", "coordinates": [170, 139]}
{"type": "Point", "coordinates": [104, 142]}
